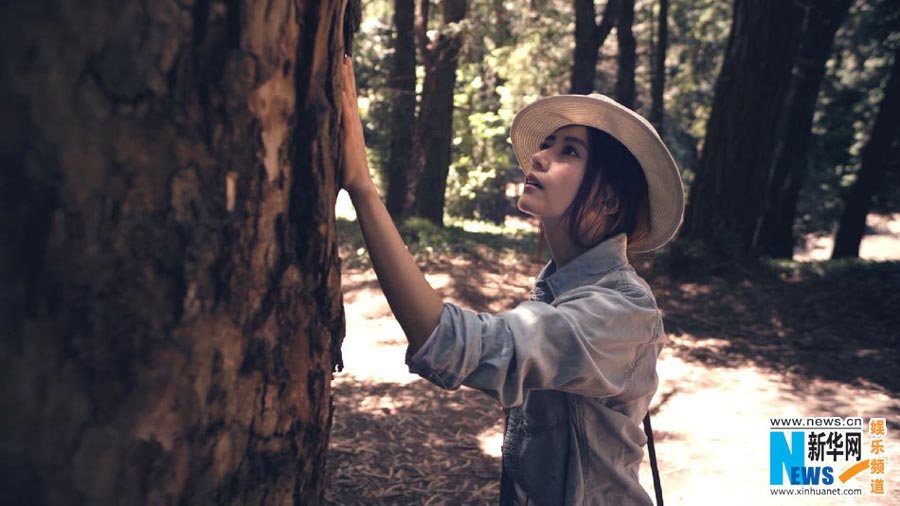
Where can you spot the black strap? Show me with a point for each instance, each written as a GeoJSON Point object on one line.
{"type": "Point", "coordinates": [657, 486]}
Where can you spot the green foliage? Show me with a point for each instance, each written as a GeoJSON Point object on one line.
{"type": "Point", "coordinates": [427, 242]}
{"type": "Point", "coordinates": [482, 161]}
{"type": "Point", "coordinates": [516, 52]}
{"type": "Point", "coordinates": [848, 102]}
{"type": "Point", "coordinates": [698, 36]}
{"type": "Point", "coordinates": [372, 63]}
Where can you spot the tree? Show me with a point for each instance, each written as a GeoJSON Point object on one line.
{"type": "Point", "coordinates": [171, 286]}
{"type": "Point", "coordinates": [589, 38]}
{"type": "Point", "coordinates": [726, 197]}
{"type": "Point", "coordinates": [434, 125]}
{"type": "Point", "coordinates": [402, 98]}
{"type": "Point", "coordinates": [876, 159]}
{"type": "Point", "coordinates": [627, 59]}
{"type": "Point", "coordinates": [775, 231]}
{"type": "Point", "coordinates": [658, 82]}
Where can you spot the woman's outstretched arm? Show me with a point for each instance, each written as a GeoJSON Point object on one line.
{"type": "Point", "coordinates": [415, 304]}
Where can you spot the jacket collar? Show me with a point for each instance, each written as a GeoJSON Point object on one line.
{"type": "Point", "coordinates": [586, 267]}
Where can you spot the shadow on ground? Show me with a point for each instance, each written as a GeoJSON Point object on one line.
{"type": "Point", "coordinates": [399, 444]}
{"type": "Point", "coordinates": [839, 323]}
{"type": "Point", "coordinates": [816, 339]}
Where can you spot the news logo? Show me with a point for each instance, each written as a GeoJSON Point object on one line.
{"type": "Point", "coordinates": [826, 456]}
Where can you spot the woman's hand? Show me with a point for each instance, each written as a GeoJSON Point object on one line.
{"type": "Point", "coordinates": [415, 304]}
{"type": "Point", "coordinates": [356, 167]}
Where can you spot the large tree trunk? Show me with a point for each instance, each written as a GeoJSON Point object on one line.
{"type": "Point", "coordinates": [402, 95]}
{"type": "Point", "coordinates": [589, 38]}
{"type": "Point", "coordinates": [627, 58]}
{"type": "Point", "coordinates": [658, 82]}
{"type": "Point", "coordinates": [170, 281]}
{"type": "Point", "coordinates": [883, 141]}
{"type": "Point", "coordinates": [775, 233]}
{"type": "Point", "coordinates": [726, 197]}
{"type": "Point", "coordinates": [435, 125]}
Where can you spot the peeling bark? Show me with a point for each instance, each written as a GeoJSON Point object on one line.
{"type": "Point", "coordinates": [170, 271]}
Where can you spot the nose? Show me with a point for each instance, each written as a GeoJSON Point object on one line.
{"type": "Point", "coordinates": [538, 160]}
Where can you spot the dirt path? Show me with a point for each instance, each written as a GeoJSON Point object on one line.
{"type": "Point", "coordinates": [399, 440]}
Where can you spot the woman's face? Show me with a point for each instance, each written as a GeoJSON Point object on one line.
{"type": "Point", "coordinates": [558, 168]}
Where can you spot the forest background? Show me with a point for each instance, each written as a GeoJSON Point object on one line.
{"type": "Point", "coordinates": [178, 274]}
{"type": "Point", "coordinates": [816, 108]}
{"type": "Point", "coordinates": [781, 119]}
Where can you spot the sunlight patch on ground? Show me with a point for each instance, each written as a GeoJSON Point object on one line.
{"type": "Point", "coordinates": [343, 208]}
{"type": "Point", "coordinates": [491, 441]}
{"type": "Point", "coordinates": [383, 404]}
{"type": "Point", "coordinates": [712, 429]}
{"type": "Point", "coordinates": [688, 341]}
{"type": "Point", "coordinates": [882, 244]}
{"type": "Point", "coordinates": [374, 349]}
{"type": "Point", "coordinates": [711, 426]}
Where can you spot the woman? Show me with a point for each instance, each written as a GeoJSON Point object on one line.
{"type": "Point", "coordinates": [575, 366]}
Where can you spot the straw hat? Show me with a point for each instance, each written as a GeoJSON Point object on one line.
{"type": "Point", "coordinates": [541, 118]}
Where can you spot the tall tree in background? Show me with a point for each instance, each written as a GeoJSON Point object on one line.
{"type": "Point", "coordinates": [775, 231]}
{"type": "Point", "coordinates": [170, 282]}
{"type": "Point", "coordinates": [434, 126]}
{"type": "Point", "coordinates": [727, 195]}
{"type": "Point", "coordinates": [589, 38]}
{"type": "Point", "coordinates": [502, 31]}
{"type": "Point", "coordinates": [493, 202]}
{"type": "Point", "coordinates": [658, 82]}
{"type": "Point", "coordinates": [402, 99]}
{"type": "Point", "coordinates": [884, 140]}
{"type": "Point", "coordinates": [627, 58]}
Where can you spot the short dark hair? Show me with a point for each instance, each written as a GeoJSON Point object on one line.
{"type": "Point", "coordinates": [614, 179]}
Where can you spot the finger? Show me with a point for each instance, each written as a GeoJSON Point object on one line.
{"type": "Point", "coordinates": [349, 80]}
{"type": "Point", "coordinates": [345, 74]}
{"type": "Point", "coordinates": [349, 62]}
{"type": "Point", "coordinates": [347, 87]}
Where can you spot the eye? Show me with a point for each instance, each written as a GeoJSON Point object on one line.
{"type": "Point", "coordinates": [569, 150]}
{"type": "Point", "coordinates": [543, 146]}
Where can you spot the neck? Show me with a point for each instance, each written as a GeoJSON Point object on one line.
{"type": "Point", "coordinates": [562, 248]}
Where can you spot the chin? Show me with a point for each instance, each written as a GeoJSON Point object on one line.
{"type": "Point", "coordinates": [538, 213]}
{"type": "Point", "coordinates": [525, 209]}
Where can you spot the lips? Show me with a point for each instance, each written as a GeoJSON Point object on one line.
{"type": "Point", "coordinates": [532, 181]}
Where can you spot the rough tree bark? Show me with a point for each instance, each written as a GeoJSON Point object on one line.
{"type": "Point", "coordinates": [876, 160]}
{"type": "Point", "coordinates": [589, 38]}
{"type": "Point", "coordinates": [170, 282]}
{"type": "Point", "coordinates": [434, 127]}
{"type": "Point", "coordinates": [726, 197]}
{"type": "Point", "coordinates": [775, 231]}
{"type": "Point", "coordinates": [402, 91]}
{"type": "Point", "coordinates": [627, 55]}
{"type": "Point", "coordinates": [658, 83]}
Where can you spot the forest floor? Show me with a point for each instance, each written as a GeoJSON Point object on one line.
{"type": "Point", "coordinates": [797, 339]}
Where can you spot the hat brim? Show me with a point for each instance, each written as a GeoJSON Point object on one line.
{"type": "Point", "coordinates": [666, 191]}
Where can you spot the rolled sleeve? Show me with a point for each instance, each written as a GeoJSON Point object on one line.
{"type": "Point", "coordinates": [585, 343]}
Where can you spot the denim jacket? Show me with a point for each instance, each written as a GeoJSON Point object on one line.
{"type": "Point", "coordinates": [576, 368]}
